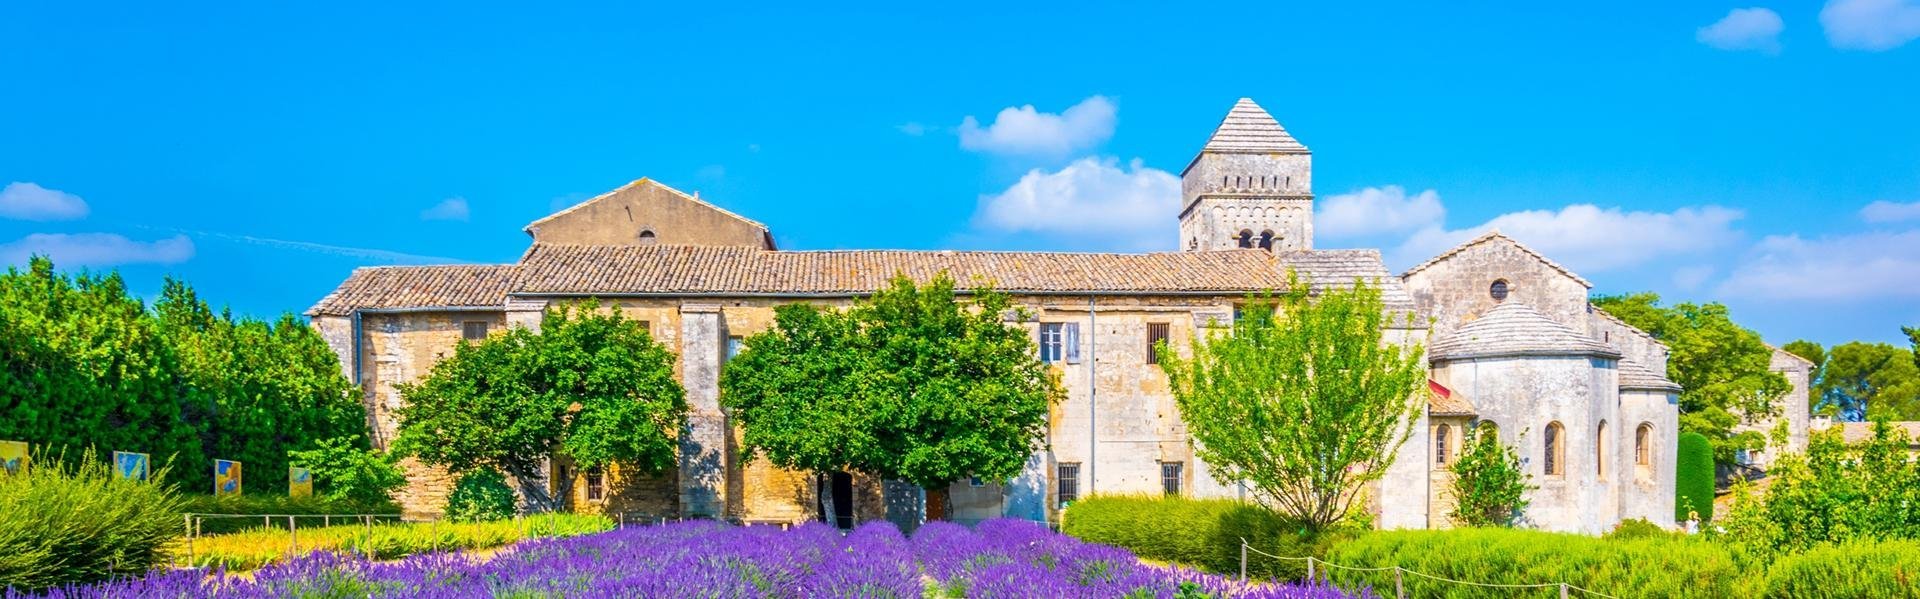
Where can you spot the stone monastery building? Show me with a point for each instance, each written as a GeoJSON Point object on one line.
{"type": "Point", "coordinates": [1514, 344]}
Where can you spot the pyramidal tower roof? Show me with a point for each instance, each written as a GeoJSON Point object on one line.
{"type": "Point", "coordinates": [1249, 129]}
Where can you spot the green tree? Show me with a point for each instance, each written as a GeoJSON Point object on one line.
{"type": "Point", "coordinates": [1489, 486]}
{"type": "Point", "coordinates": [1724, 369]}
{"type": "Point", "coordinates": [343, 470]}
{"type": "Point", "coordinates": [1870, 380]}
{"type": "Point", "coordinates": [591, 386]}
{"type": "Point", "coordinates": [1693, 478]}
{"type": "Point", "coordinates": [1835, 492]}
{"type": "Point", "coordinates": [1913, 335]}
{"type": "Point", "coordinates": [909, 384]}
{"type": "Point", "coordinates": [480, 495]}
{"type": "Point", "coordinates": [83, 364]}
{"type": "Point", "coordinates": [1306, 398]}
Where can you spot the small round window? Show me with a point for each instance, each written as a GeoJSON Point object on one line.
{"type": "Point", "coordinates": [1498, 291]}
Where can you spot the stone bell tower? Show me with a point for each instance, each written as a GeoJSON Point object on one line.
{"type": "Point", "coordinates": [1250, 187]}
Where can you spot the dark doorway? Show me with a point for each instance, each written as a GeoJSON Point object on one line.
{"type": "Point", "coordinates": [840, 487]}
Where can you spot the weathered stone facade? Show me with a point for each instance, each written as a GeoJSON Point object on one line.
{"type": "Point", "coordinates": [703, 278]}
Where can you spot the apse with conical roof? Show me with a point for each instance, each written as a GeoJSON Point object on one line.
{"type": "Point", "coordinates": [1251, 185]}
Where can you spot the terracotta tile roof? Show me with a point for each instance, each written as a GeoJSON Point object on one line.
{"type": "Point", "coordinates": [564, 269]}
{"type": "Point", "coordinates": [1634, 375]}
{"type": "Point", "coordinates": [559, 270]}
{"type": "Point", "coordinates": [1855, 432]}
{"type": "Point", "coordinates": [1490, 236]}
{"type": "Point", "coordinates": [1515, 329]}
{"type": "Point", "coordinates": [379, 287]}
{"type": "Point", "coordinates": [1442, 401]}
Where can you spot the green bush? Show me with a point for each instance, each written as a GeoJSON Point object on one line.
{"type": "Point", "coordinates": [1693, 478]}
{"type": "Point", "coordinates": [1202, 533]}
{"type": "Point", "coordinates": [342, 470]}
{"type": "Point", "coordinates": [1853, 569]}
{"type": "Point", "coordinates": [1644, 567]}
{"type": "Point", "coordinates": [1637, 528]}
{"type": "Point", "coordinates": [480, 496]}
{"type": "Point", "coordinates": [82, 523]}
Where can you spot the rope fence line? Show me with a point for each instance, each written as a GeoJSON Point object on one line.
{"type": "Point", "coordinates": [1399, 582]}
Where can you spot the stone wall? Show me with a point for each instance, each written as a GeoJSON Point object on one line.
{"type": "Point", "coordinates": [1647, 490]}
{"type": "Point", "coordinates": [1522, 396]}
{"type": "Point", "coordinates": [645, 212]}
{"type": "Point", "coordinates": [1440, 499]}
{"type": "Point", "coordinates": [1457, 288]}
{"type": "Point", "coordinates": [1794, 407]}
{"type": "Point", "coordinates": [1223, 194]}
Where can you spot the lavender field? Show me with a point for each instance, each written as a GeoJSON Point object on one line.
{"type": "Point", "coordinates": [1000, 558]}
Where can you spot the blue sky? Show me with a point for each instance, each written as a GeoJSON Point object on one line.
{"type": "Point", "coordinates": [1767, 157]}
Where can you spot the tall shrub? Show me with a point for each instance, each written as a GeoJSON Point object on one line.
{"type": "Point", "coordinates": [1693, 478]}
{"type": "Point", "coordinates": [1489, 486]}
{"type": "Point", "coordinates": [343, 471]}
{"type": "Point", "coordinates": [76, 521]}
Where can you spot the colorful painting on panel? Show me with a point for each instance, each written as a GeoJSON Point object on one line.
{"type": "Point", "coordinates": [13, 456]}
{"type": "Point", "coordinates": [226, 477]}
{"type": "Point", "coordinates": [299, 482]}
{"type": "Point", "coordinates": [132, 465]}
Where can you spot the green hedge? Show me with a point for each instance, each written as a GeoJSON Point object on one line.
{"type": "Point", "coordinates": [1855, 569]}
{"type": "Point", "coordinates": [312, 510]}
{"type": "Point", "coordinates": [1693, 478]}
{"type": "Point", "coordinates": [1202, 533]}
{"type": "Point", "coordinates": [1638, 567]}
{"type": "Point", "coordinates": [66, 524]}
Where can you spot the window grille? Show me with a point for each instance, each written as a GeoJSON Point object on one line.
{"type": "Point", "coordinates": [1069, 484]}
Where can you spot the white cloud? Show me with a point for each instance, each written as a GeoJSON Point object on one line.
{"type": "Point", "coordinates": [1755, 29]}
{"type": "Point", "coordinates": [454, 208]}
{"type": "Point", "coordinates": [27, 201]}
{"type": "Point", "coordinates": [1843, 268]}
{"type": "Point", "coordinates": [1588, 238]}
{"type": "Point", "coordinates": [1024, 130]}
{"type": "Point", "coordinates": [1376, 211]}
{"type": "Point", "coordinates": [1090, 197]}
{"type": "Point", "coordinates": [1886, 212]}
{"type": "Point", "coordinates": [1871, 24]}
{"type": "Point", "coordinates": [96, 249]}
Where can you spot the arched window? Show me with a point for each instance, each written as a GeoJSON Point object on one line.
{"type": "Point", "coordinates": [1442, 443]}
{"type": "Point", "coordinates": [1266, 240]}
{"type": "Point", "coordinates": [1555, 449]}
{"type": "Point", "coordinates": [1643, 445]}
{"type": "Point", "coordinates": [1600, 451]}
{"type": "Point", "coordinates": [647, 237]}
{"type": "Point", "coordinates": [1498, 290]}
{"type": "Point", "coordinates": [1246, 238]}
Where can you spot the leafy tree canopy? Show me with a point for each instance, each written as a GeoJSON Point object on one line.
{"type": "Point", "coordinates": [83, 364]}
{"type": "Point", "coordinates": [1863, 381]}
{"type": "Point", "coordinates": [1306, 398]}
{"type": "Point", "coordinates": [591, 386]}
{"type": "Point", "coordinates": [1835, 492]}
{"type": "Point", "coordinates": [910, 384]}
{"type": "Point", "coordinates": [1723, 368]}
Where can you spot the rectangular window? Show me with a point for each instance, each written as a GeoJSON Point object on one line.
{"type": "Point", "coordinates": [1156, 335]}
{"type": "Point", "coordinates": [474, 330]}
{"type": "Point", "coordinates": [596, 485]}
{"type": "Point", "coordinates": [733, 347]}
{"type": "Point", "coordinates": [1170, 477]}
{"type": "Point", "coordinates": [1069, 481]}
{"type": "Point", "coordinates": [974, 481]}
{"type": "Point", "coordinates": [1052, 342]}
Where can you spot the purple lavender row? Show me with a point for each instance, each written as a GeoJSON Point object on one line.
{"type": "Point", "coordinates": [1001, 559]}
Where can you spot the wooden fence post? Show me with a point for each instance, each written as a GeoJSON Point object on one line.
{"type": "Point", "coordinates": [1563, 590]}
{"type": "Point", "coordinates": [293, 539]}
{"type": "Point", "coordinates": [1310, 575]}
{"type": "Point", "coordinates": [1399, 587]}
{"type": "Point", "coordinates": [189, 518]}
{"type": "Point", "coordinates": [1243, 560]}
